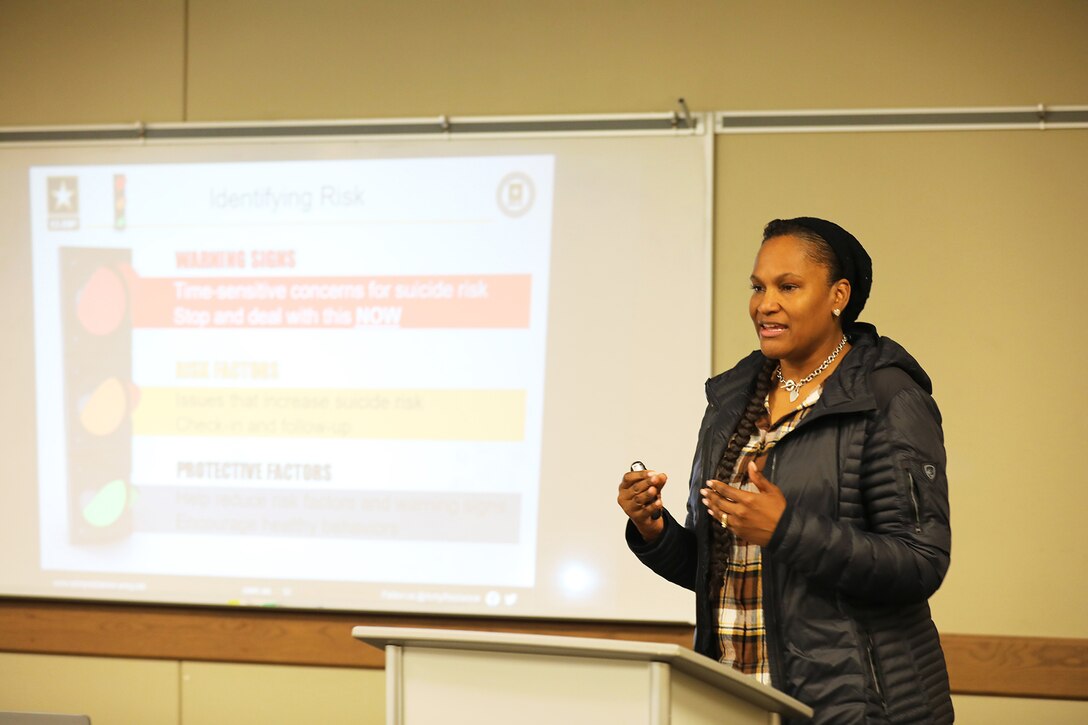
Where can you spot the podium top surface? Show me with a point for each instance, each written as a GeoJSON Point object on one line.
{"type": "Point", "coordinates": [677, 657]}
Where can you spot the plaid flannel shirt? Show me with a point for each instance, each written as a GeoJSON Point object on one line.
{"type": "Point", "coordinates": [742, 634]}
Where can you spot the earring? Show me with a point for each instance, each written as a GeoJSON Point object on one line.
{"type": "Point", "coordinates": [836, 312]}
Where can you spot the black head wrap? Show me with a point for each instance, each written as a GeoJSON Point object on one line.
{"type": "Point", "coordinates": [857, 267]}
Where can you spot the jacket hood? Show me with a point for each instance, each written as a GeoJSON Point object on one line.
{"type": "Point", "coordinates": [884, 352]}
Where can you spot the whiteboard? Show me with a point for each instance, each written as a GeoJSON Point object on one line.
{"type": "Point", "coordinates": [381, 374]}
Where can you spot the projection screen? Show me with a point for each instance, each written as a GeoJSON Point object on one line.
{"type": "Point", "coordinates": [379, 375]}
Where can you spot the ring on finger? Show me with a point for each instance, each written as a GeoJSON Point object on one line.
{"type": "Point", "coordinates": [725, 521]}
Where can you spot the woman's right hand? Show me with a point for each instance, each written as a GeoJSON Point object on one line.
{"type": "Point", "coordinates": [640, 497]}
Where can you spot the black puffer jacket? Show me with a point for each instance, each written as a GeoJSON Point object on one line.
{"type": "Point", "coordinates": [863, 542]}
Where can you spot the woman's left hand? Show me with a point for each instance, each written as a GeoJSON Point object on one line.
{"type": "Point", "coordinates": [750, 515]}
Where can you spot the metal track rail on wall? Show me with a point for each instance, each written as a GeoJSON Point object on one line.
{"type": "Point", "coordinates": [474, 127]}
{"type": "Point", "coordinates": [1039, 117]}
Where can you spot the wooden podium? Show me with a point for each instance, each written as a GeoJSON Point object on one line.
{"type": "Point", "coordinates": [448, 677]}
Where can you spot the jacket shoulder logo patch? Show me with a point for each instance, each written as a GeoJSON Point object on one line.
{"type": "Point", "coordinates": [930, 470]}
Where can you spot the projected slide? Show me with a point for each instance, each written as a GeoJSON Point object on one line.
{"type": "Point", "coordinates": [364, 374]}
{"type": "Point", "coordinates": [299, 370]}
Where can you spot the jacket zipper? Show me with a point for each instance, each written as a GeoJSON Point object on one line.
{"type": "Point", "coordinates": [770, 608]}
{"type": "Point", "coordinates": [914, 504]}
{"type": "Point", "coordinates": [877, 685]}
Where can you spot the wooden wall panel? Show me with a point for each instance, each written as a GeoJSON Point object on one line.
{"type": "Point", "coordinates": [978, 665]}
{"type": "Point", "coordinates": [1017, 666]}
{"type": "Point", "coordinates": [249, 635]}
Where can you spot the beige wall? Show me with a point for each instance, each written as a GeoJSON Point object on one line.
{"type": "Point", "coordinates": [167, 692]}
{"type": "Point", "coordinates": [975, 235]}
{"type": "Point", "coordinates": [976, 264]}
{"type": "Point", "coordinates": [74, 61]}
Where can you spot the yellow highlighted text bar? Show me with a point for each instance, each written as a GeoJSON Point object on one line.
{"type": "Point", "coordinates": [478, 415]}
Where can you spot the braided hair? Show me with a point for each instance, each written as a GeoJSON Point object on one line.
{"type": "Point", "coordinates": [721, 538]}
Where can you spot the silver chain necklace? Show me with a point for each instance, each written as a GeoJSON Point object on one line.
{"type": "Point", "coordinates": [794, 389]}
